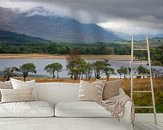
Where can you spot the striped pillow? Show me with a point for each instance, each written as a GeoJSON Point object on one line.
{"type": "Point", "coordinates": [91, 91]}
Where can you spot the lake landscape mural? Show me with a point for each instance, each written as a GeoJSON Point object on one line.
{"type": "Point", "coordinates": [68, 40]}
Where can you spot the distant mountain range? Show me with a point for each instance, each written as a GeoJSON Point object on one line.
{"type": "Point", "coordinates": [12, 37]}
{"type": "Point", "coordinates": [55, 28]}
{"type": "Point", "coordinates": [34, 24]}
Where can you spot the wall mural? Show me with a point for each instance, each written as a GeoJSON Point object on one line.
{"type": "Point", "coordinates": [69, 40]}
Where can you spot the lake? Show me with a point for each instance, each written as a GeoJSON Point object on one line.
{"type": "Point", "coordinates": [41, 63]}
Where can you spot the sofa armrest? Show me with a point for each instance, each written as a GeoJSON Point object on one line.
{"type": "Point", "coordinates": [128, 107]}
{"type": "Point", "coordinates": [128, 111]}
{"type": "Point", "coordinates": [127, 118]}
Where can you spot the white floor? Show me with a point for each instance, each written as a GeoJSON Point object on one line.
{"type": "Point", "coordinates": [148, 126]}
{"type": "Point", "coordinates": [143, 122]}
{"type": "Point", "coordinates": [146, 122]}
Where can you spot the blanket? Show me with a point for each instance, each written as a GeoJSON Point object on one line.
{"type": "Point", "coordinates": [116, 105]}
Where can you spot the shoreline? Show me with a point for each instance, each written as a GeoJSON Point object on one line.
{"type": "Point", "coordinates": [50, 56]}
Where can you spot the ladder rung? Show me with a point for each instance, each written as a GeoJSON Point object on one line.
{"type": "Point", "coordinates": [142, 91]}
{"type": "Point", "coordinates": [143, 106]}
{"type": "Point", "coordinates": [139, 49]}
{"type": "Point", "coordinates": [140, 62]}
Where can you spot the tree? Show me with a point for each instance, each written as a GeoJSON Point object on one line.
{"type": "Point", "coordinates": [156, 72]}
{"type": "Point", "coordinates": [9, 72]}
{"type": "Point", "coordinates": [99, 67]}
{"type": "Point", "coordinates": [76, 65]}
{"type": "Point", "coordinates": [108, 71]}
{"type": "Point", "coordinates": [142, 70]}
{"type": "Point", "coordinates": [119, 71]}
{"type": "Point", "coordinates": [27, 68]}
{"type": "Point", "coordinates": [89, 71]}
{"type": "Point", "coordinates": [54, 67]}
{"type": "Point", "coordinates": [122, 70]}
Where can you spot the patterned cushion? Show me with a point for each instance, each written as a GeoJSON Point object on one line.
{"type": "Point", "coordinates": [16, 95]}
{"type": "Point", "coordinates": [91, 91]}
{"type": "Point", "coordinates": [111, 89]}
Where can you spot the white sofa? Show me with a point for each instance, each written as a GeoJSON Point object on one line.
{"type": "Point", "coordinates": [57, 108]}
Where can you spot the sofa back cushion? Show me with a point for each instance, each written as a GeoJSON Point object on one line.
{"type": "Point", "coordinates": [111, 89]}
{"type": "Point", "coordinates": [56, 92]}
{"type": "Point", "coordinates": [18, 84]}
{"type": "Point", "coordinates": [16, 95]}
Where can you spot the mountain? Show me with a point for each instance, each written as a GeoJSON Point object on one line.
{"type": "Point", "coordinates": [55, 28]}
{"type": "Point", "coordinates": [12, 37]}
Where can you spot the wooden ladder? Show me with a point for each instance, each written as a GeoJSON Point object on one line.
{"type": "Point", "coordinates": [148, 62]}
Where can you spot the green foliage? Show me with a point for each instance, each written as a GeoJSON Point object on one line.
{"type": "Point", "coordinates": [9, 72]}
{"type": "Point", "coordinates": [54, 67]}
{"type": "Point", "coordinates": [27, 68]}
{"type": "Point", "coordinates": [89, 70]}
{"type": "Point", "coordinates": [122, 70]}
{"type": "Point", "coordinates": [142, 70]}
{"type": "Point", "coordinates": [108, 71]}
{"type": "Point", "coordinates": [77, 66]}
{"type": "Point", "coordinates": [64, 48]}
{"type": "Point", "coordinates": [99, 67]}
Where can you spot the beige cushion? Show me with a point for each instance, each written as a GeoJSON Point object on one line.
{"type": "Point", "coordinates": [111, 89]}
{"type": "Point", "coordinates": [91, 91]}
{"type": "Point", "coordinates": [5, 85]}
{"type": "Point", "coordinates": [16, 95]}
{"type": "Point", "coordinates": [18, 84]}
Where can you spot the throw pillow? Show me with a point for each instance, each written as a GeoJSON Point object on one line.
{"type": "Point", "coordinates": [16, 95]}
{"type": "Point", "coordinates": [5, 85]}
{"type": "Point", "coordinates": [91, 91]}
{"type": "Point", "coordinates": [111, 89]}
{"type": "Point", "coordinates": [18, 84]}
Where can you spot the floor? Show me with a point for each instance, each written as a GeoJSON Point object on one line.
{"type": "Point", "coordinates": [148, 126]}
{"type": "Point", "coordinates": [143, 122]}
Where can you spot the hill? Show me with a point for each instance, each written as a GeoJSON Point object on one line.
{"type": "Point", "coordinates": [15, 38]}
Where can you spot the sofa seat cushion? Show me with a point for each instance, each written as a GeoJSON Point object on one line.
{"type": "Point", "coordinates": [26, 109]}
{"type": "Point", "coordinates": [80, 109]}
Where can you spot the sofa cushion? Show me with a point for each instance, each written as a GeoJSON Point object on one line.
{"type": "Point", "coordinates": [26, 109]}
{"type": "Point", "coordinates": [18, 84]}
{"type": "Point", "coordinates": [80, 109]}
{"type": "Point", "coordinates": [16, 95]}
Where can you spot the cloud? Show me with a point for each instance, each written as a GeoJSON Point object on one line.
{"type": "Point", "coordinates": [138, 26]}
{"type": "Point", "coordinates": [138, 16]}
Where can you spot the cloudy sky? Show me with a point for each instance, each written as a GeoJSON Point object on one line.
{"type": "Point", "coordinates": [121, 16]}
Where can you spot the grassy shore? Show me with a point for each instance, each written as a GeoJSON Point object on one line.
{"type": "Point", "coordinates": [48, 56]}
